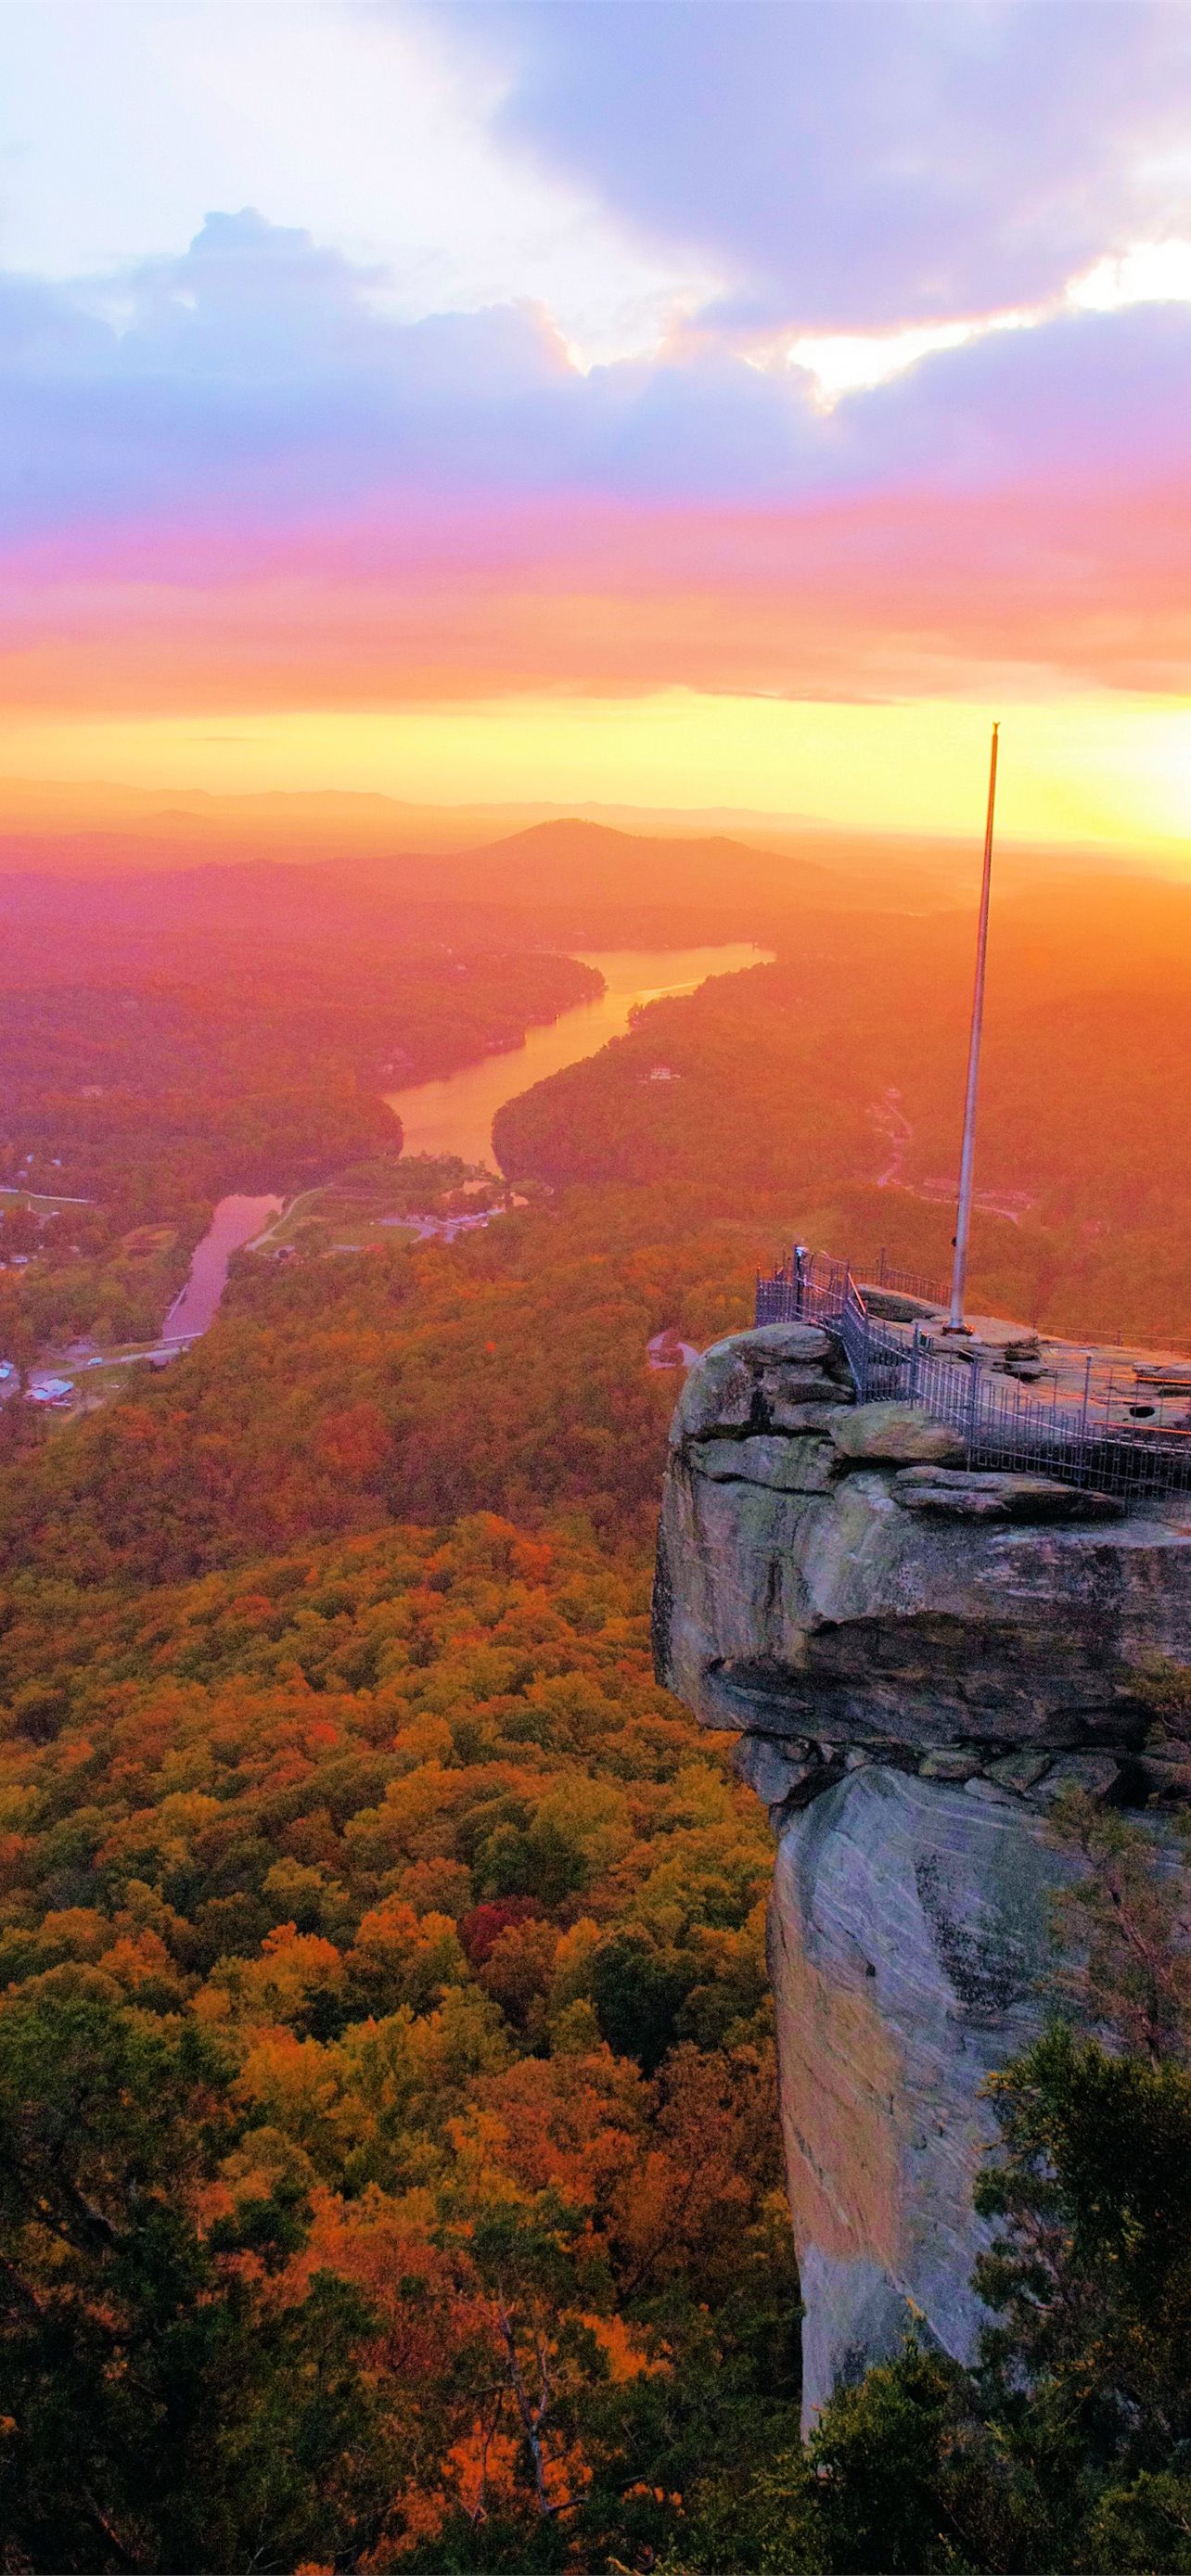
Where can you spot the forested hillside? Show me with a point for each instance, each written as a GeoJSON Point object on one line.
{"type": "Point", "coordinates": [831, 1083]}
{"type": "Point", "coordinates": [391, 1867]}
{"type": "Point", "coordinates": [385, 2066]}
{"type": "Point", "coordinates": [507, 1373]}
{"type": "Point", "coordinates": [389, 2169]}
{"type": "Point", "coordinates": [138, 1093]}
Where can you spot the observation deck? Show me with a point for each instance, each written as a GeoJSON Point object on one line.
{"type": "Point", "coordinates": [1096, 1415]}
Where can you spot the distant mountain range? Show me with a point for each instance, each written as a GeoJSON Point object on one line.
{"type": "Point", "coordinates": [511, 852]}
{"type": "Point", "coordinates": [564, 883]}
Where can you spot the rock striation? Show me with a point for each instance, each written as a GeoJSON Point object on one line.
{"type": "Point", "coordinates": [918, 1658]}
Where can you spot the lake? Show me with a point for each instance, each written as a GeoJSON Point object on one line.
{"type": "Point", "coordinates": [454, 1115]}
{"type": "Point", "coordinates": [236, 1220]}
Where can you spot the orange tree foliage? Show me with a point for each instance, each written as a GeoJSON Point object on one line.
{"type": "Point", "coordinates": [506, 1373]}
{"type": "Point", "coordinates": [401, 1827]}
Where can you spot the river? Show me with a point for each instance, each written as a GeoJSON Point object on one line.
{"type": "Point", "coordinates": [235, 1221]}
{"type": "Point", "coordinates": [454, 1115]}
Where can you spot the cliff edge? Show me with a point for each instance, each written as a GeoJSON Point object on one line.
{"type": "Point", "coordinates": [917, 1658]}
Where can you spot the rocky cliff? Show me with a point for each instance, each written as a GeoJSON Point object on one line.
{"type": "Point", "coordinates": [918, 1659]}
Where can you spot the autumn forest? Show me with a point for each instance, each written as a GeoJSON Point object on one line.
{"type": "Point", "coordinates": [390, 2175]}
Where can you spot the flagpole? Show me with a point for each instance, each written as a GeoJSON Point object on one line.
{"type": "Point", "coordinates": [963, 1220]}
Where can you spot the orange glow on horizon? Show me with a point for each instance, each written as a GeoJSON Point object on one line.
{"type": "Point", "coordinates": [1104, 768]}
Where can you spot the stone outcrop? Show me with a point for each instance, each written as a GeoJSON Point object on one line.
{"type": "Point", "coordinates": [918, 1659]}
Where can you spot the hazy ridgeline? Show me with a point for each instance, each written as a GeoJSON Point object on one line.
{"type": "Point", "coordinates": [297, 986]}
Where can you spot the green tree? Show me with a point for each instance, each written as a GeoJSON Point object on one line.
{"type": "Point", "coordinates": [1089, 2362]}
{"type": "Point", "coordinates": [638, 1990]}
{"type": "Point", "coordinates": [158, 2411]}
{"type": "Point", "coordinates": [1126, 1921]}
{"type": "Point", "coordinates": [900, 2473]}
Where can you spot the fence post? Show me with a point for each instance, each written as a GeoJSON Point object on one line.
{"type": "Point", "coordinates": [915, 1352]}
{"type": "Point", "coordinates": [859, 1323]}
{"type": "Point", "coordinates": [973, 1402]}
{"type": "Point", "coordinates": [1087, 1382]}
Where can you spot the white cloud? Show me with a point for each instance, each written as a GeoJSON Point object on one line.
{"type": "Point", "coordinates": [846, 362]}
{"type": "Point", "coordinates": [121, 126]}
{"type": "Point", "coordinates": [1148, 273]}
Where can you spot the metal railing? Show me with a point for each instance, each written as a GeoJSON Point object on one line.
{"type": "Point", "coordinates": [825, 1278]}
{"type": "Point", "coordinates": [906, 1283]}
{"type": "Point", "coordinates": [1093, 1444]}
{"type": "Point", "coordinates": [814, 1288]}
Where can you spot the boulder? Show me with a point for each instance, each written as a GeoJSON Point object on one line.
{"type": "Point", "coordinates": [896, 1306]}
{"type": "Point", "coordinates": [718, 1396]}
{"type": "Point", "coordinates": [797, 1420]}
{"type": "Point", "coordinates": [785, 1395]}
{"type": "Point", "coordinates": [1095, 1775]}
{"type": "Point", "coordinates": [1161, 1775]}
{"type": "Point", "coordinates": [975, 1494]}
{"type": "Point", "coordinates": [795, 1601]}
{"type": "Point", "coordinates": [739, 1381]}
{"type": "Point", "coordinates": [951, 1762]}
{"type": "Point", "coordinates": [896, 1434]}
{"type": "Point", "coordinates": [764, 1458]}
{"type": "Point", "coordinates": [770, 1765]}
{"type": "Point", "coordinates": [784, 1774]}
{"type": "Point", "coordinates": [802, 1343]}
{"type": "Point", "coordinates": [1019, 1771]}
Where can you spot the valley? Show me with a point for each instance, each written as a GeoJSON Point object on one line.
{"type": "Point", "coordinates": [353, 1853]}
{"type": "Point", "coordinates": [595, 1313]}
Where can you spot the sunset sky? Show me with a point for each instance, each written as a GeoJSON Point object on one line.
{"type": "Point", "coordinates": [715, 404]}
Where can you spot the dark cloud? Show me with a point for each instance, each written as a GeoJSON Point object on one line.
{"type": "Point", "coordinates": [857, 162]}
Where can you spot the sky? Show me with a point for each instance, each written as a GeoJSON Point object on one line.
{"type": "Point", "coordinates": [691, 402]}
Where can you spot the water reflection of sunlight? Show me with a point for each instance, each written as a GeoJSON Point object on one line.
{"type": "Point", "coordinates": [454, 1114]}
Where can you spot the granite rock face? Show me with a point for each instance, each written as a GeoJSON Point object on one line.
{"type": "Point", "coordinates": [917, 1659]}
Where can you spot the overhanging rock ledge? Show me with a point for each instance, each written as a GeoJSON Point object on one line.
{"type": "Point", "coordinates": [918, 1659]}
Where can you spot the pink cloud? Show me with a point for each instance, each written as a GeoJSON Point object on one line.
{"type": "Point", "coordinates": [255, 489]}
